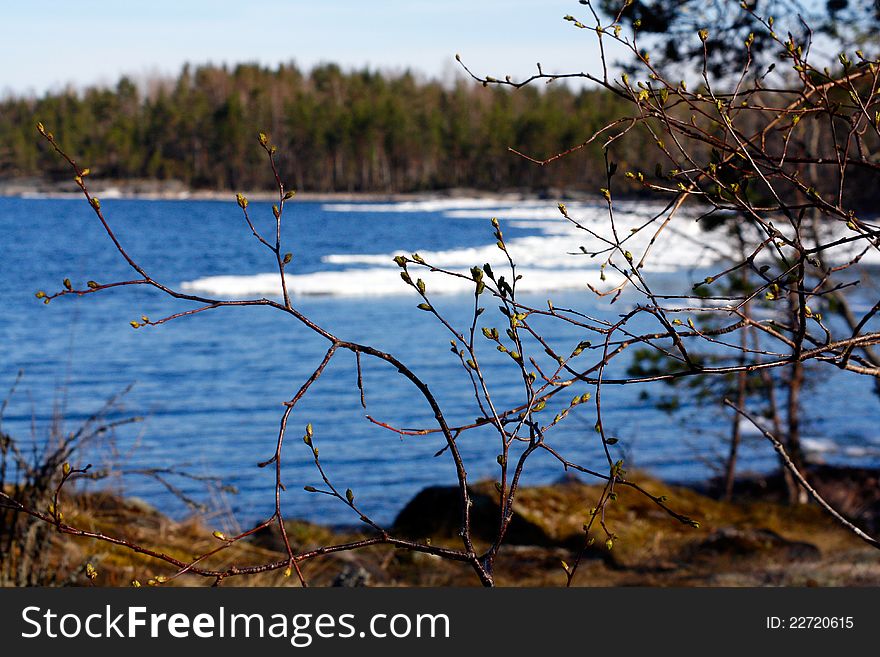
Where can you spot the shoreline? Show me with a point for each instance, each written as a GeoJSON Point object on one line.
{"type": "Point", "coordinates": [753, 540]}
{"type": "Point", "coordinates": [156, 190]}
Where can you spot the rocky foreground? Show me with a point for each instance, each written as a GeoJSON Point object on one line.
{"type": "Point", "coordinates": [756, 540]}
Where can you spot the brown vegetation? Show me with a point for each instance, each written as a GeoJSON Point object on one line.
{"type": "Point", "coordinates": [756, 541]}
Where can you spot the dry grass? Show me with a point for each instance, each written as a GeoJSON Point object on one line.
{"type": "Point", "coordinates": [746, 543]}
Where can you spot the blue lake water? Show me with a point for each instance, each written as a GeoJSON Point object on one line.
{"type": "Point", "coordinates": [210, 386]}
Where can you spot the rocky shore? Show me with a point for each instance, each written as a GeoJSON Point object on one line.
{"type": "Point", "coordinates": [755, 540]}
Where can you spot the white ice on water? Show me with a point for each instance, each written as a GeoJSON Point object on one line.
{"type": "Point", "coordinates": [549, 261]}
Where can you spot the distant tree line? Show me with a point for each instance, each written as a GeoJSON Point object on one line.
{"type": "Point", "coordinates": [335, 131]}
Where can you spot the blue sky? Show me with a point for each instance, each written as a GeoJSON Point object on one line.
{"type": "Point", "coordinates": [47, 45]}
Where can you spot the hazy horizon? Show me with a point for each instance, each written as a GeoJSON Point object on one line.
{"type": "Point", "coordinates": [95, 42]}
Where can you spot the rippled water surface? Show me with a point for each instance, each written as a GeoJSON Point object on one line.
{"type": "Point", "coordinates": [210, 387]}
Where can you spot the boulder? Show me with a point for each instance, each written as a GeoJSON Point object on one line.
{"type": "Point", "coordinates": [745, 542]}
{"type": "Point", "coordinates": [435, 513]}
